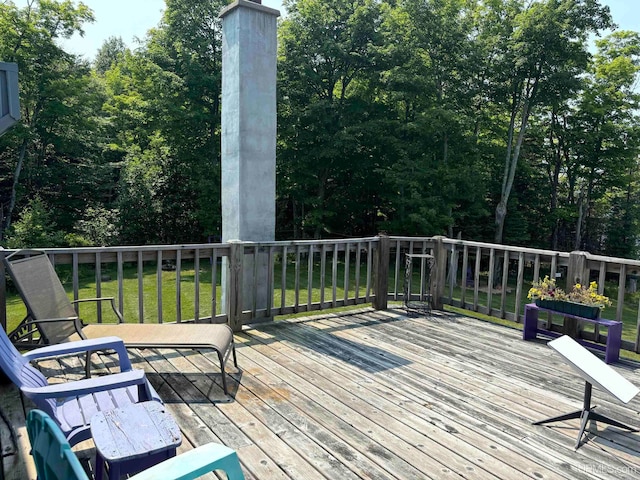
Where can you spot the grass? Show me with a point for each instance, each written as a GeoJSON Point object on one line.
{"type": "Point", "coordinates": [207, 289]}
{"type": "Point", "coordinates": [629, 314]}
{"type": "Point", "coordinates": [87, 289]}
{"type": "Point", "coordinates": [508, 323]}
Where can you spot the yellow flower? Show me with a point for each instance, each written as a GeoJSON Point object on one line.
{"type": "Point", "coordinates": [588, 296]}
{"type": "Point", "coordinates": [546, 289]}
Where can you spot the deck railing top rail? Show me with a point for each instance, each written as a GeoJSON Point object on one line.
{"type": "Point", "coordinates": [611, 260]}
{"type": "Point", "coordinates": [509, 248]}
{"type": "Point", "coordinates": [125, 248]}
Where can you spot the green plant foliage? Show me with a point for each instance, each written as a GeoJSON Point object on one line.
{"type": "Point", "coordinates": [480, 119]}
{"type": "Point", "coordinates": [98, 227]}
{"type": "Point", "coordinates": [35, 228]}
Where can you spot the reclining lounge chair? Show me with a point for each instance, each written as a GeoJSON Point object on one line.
{"type": "Point", "coordinates": [50, 311]}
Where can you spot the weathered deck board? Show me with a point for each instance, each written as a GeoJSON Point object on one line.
{"type": "Point", "coordinates": [399, 406]}
{"type": "Point", "coordinates": [377, 395]}
{"type": "Point", "coordinates": [13, 435]}
{"type": "Point", "coordinates": [437, 401]}
{"type": "Point", "coordinates": [540, 397]}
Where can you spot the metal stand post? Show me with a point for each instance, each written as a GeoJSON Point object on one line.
{"type": "Point", "coordinates": [423, 303]}
{"type": "Point", "coordinates": [587, 413]}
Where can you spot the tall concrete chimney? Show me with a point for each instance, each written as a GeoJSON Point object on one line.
{"type": "Point", "coordinates": [249, 56]}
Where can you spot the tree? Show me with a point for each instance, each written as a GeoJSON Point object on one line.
{"type": "Point", "coordinates": [432, 88]}
{"type": "Point", "coordinates": [58, 106]}
{"type": "Point", "coordinates": [99, 226]}
{"type": "Point", "coordinates": [329, 123]}
{"type": "Point", "coordinates": [545, 52]}
{"type": "Point", "coordinates": [110, 53]}
{"type": "Point", "coordinates": [606, 142]}
{"type": "Point", "coordinates": [36, 227]}
{"type": "Point", "coordinates": [164, 104]}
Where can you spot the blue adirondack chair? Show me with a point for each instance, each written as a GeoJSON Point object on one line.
{"type": "Point", "coordinates": [55, 460]}
{"type": "Point", "coordinates": [72, 404]}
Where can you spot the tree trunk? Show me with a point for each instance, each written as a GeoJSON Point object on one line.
{"type": "Point", "coordinates": [578, 240]}
{"type": "Point", "coordinates": [501, 208]}
{"type": "Point", "coordinates": [501, 213]}
{"type": "Point", "coordinates": [445, 159]}
{"type": "Point", "coordinates": [559, 153]}
{"type": "Point", "coordinates": [16, 178]}
{"type": "Point", "coordinates": [294, 212]}
{"type": "Point", "coordinates": [511, 164]}
{"type": "Point", "coordinates": [320, 218]}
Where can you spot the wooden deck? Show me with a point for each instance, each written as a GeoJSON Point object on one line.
{"type": "Point", "coordinates": [377, 395]}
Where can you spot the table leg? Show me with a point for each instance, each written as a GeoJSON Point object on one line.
{"type": "Point", "coordinates": [530, 330]}
{"type": "Point", "coordinates": [114, 471]}
{"type": "Point", "coordinates": [614, 341]}
{"type": "Point", "coordinates": [99, 466]}
{"type": "Point", "coordinates": [571, 327]}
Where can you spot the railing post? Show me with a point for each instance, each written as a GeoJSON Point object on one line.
{"type": "Point", "coordinates": [382, 272]}
{"type": "Point", "coordinates": [577, 272]}
{"type": "Point", "coordinates": [233, 285]}
{"type": "Point", "coordinates": [439, 273]}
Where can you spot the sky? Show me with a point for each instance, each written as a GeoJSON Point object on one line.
{"type": "Point", "coordinates": [130, 19]}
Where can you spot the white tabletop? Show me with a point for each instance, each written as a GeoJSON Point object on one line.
{"type": "Point", "coordinates": [594, 370]}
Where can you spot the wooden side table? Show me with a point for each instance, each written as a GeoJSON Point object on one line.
{"type": "Point", "coordinates": [133, 438]}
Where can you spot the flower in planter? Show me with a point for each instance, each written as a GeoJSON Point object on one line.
{"type": "Point", "coordinates": [588, 295]}
{"type": "Point", "coordinates": [546, 289]}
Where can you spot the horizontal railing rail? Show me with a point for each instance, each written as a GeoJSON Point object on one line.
{"type": "Point", "coordinates": [495, 279]}
{"type": "Point", "coordinates": [243, 282]}
{"type": "Point", "coordinates": [299, 276]}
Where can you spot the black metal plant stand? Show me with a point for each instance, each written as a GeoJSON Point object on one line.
{"type": "Point", "coordinates": [419, 303]}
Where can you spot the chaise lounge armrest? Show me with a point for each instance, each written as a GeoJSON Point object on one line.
{"type": "Point", "coordinates": [50, 320]}
{"type": "Point", "coordinates": [90, 345]}
{"type": "Point", "coordinates": [88, 385]}
{"type": "Point", "coordinates": [22, 335]}
{"type": "Point", "coordinates": [102, 299]}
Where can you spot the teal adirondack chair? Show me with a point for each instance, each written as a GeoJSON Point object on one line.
{"type": "Point", "coordinates": [55, 460]}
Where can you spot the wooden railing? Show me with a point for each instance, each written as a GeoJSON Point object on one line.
{"type": "Point", "coordinates": [261, 280]}
{"type": "Point", "coordinates": [297, 276]}
{"type": "Point", "coordinates": [495, 279]}
{"type": "Point", "coordinates": [243, 282]}
{"type": "Point", "coordinates": [106, 271]}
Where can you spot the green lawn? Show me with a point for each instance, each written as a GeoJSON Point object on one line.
{"type": "Point", "coordinates": [109, 287]}
{"type": "Point", "coordinates": [87, 288]}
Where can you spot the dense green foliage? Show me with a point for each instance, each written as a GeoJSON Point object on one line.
{"type": "Point", "coordinates": [489, 119]}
